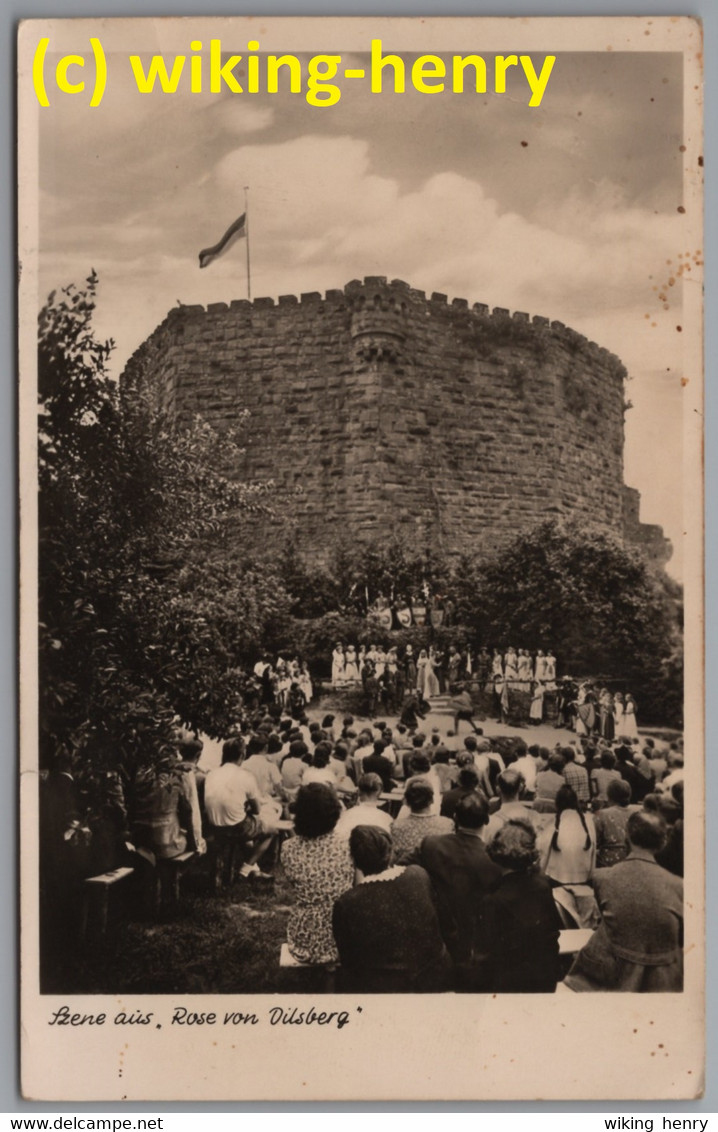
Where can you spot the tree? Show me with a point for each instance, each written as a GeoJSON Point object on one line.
{"type": "Point", "coordinates": [580, 592]}
{"type": "Point", "coordinates": [144, 614]}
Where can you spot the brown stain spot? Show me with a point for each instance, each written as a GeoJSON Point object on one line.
{"type": "Point", "coordinates": [682, 148]}
{"type": "Point", "coordinates": [646, 33]}
{"type": "Point", "coordinates": [652, 100]}
{"type": "Point", "coordinates": [671, 281]}
{"type": "Point", "coordinates": [664, 81]}
{"type": "Point", "coordinates": [684, 381]}
{"type": "Point", "coordinates": [680, 208]}
{"type": "Point", "coordinates": [524, 144]}
{"type": "Point", "coordinates": [700, 160]}
{"type": "Point", "coordinates": [679, 329]}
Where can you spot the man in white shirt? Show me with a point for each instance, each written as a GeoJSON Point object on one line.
{"type": "Point", "coordinates": [232, 803]}
{"type": "Point", "coordinates": [366, 811]}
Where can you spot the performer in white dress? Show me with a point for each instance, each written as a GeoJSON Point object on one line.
{"type": "Point", "coordinates": [421, 670]}
{"type": "Point", "coordinates": [618, 713]}
{"type": "Point", "coordinates": [351, 668]}
{"type": "Point", "coordinates": [630, 723]}
{"type": "Point", "coordinates": [511, 661]}
{"type": "Point", "coordinates": [431, 684]}
{"type": "Point", "coordinates": [497, 664]}
{"type": "Point", "coordinates": [524, 670]}
{"type": "Point", "coordinates": [338, 665]}
{"type": "Point", "coordinates": [549, 668]}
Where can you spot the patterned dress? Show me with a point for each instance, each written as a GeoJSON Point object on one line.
{"type": "Point", "coordinates": [320, 870]}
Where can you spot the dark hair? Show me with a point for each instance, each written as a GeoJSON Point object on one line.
{"type": "Point", "coordinates": [556, 762]}
{"type": "Point", "coordinates": [322, 754]}
{"type": "Point", "coordinates": [256, 745]}
{"type": "Point", "coordinates": [470, 743]}
{"type": "Point", "coordinates": [567, 799]}
{"type": "Point", "coordinates": [468, 778]}
{"type": "Point", "coordinates": [619, 792]}
{"type": "Point", "coordinates": [191, 749]}
{"type": "Point", "coordinates": [472, 812]}
{"type": "Point", "coordinates": [298, 749]}
{"type": "Point", "coordinates": [419, 764]}
{"type": "Point", "coordinates": [341, 752]}
{"type": "Point", "coordinates": [316, 810]}
{"type": "Point", "coordinates": [569, 754]}
{"type": "Point", "coordinates": [441, 755]}
{"type": "Point", "coordinates": [327, 721]}
{"type": "Point", "coordinates": [274, 745]}
{"type": "Point", "coordinates": [379, 746]}
{"type": "Point", "coordinates": [371, 849]}
{"type": "Point", "coordinates": [510, 782]}
{"type": "Point", "coordinates": [464, 758]}
{"type": "Point", "coordinates": [647, 830]}
{"type": "Point", "coordinates": [418, 741]}
{"type": "Point", "coordinates": [514, 846]}
{"type": "Point", "coordinates": [233, 750]}
{"type": "Point", "coordinates": [608, 760]}
{"type": "Point", "coordinates": [418, 795]}
{"type": "Point", "coordinates": [370, 784]}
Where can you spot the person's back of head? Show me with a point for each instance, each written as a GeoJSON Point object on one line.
{"type": "Point", "coordinates": [468, 778]}
{"type": "Point", "coordinates": [556, 762]}
{"type": "Point", "coordinates": [379, 747]}
{"type": "Point", "coordinates": [419, 764]}
{"type": "Point", "coordinates": [510, 783]}
{"type": "Point", "coordinates": [419, 795]}
{"type": "Point", "coordinates": [646, 830]}
{"type": "Point", "coordinates": [618, 792]}
{"type": "Point", "coordinates": [464, 758]}
{"type": "Point", "coordinates": [370, 785]}
{"type": "Point", "coordinates": [472, 812]}
{"type": "Point", "coordinates": [257, 745]}
{"type": "Point", "coordinates": [341, 752]}
{"type": "Point", "coordinates": [569, 754]}
{"type": "Point", "coordinates": [298, 749]}
{"type": "Point", "coordinates": [322, 754]}
{"type": "Point", "coordinates": [274, 744]}
{"type": "Point", "coordinates": [470, 744]}
{"type": "Point", "coordinates": [233, 750]}
{"type": "Point", "coordinates": [418, 741]}
{"type": "Point", "coordinates": [608, 760]}
{"type": "Point", "coordinates": [190, 750]}
{"type": "Point", "coordinates": [440, 754]}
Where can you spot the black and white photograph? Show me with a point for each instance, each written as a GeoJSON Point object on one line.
{"type": "Point", "coordinates": [361, 557]}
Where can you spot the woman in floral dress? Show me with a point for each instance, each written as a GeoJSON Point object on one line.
{"type": "Point", "coordinates": [319, 866]}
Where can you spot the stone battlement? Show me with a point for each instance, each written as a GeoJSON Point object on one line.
{"type": "Point", "coordinates": [380, 411]}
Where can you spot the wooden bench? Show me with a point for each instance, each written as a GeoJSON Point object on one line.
{"type": "Point", "coordinates": [167, 877]}
{"type": "Point", "coordinates": [571, 940]}
{"type": "Point", "coordinates": [326, 971]}
{"type": "Point", "coordinates": [99, 886]}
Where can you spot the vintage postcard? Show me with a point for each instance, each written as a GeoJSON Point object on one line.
{"type": "Point", "coordinates": [361, 390]}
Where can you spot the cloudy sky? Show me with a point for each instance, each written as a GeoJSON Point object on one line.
{"type": "Point", "coordinates": [570, 210]}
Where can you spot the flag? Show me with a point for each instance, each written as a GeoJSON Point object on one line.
{"type": "Point", "coordinates": [233, 233]}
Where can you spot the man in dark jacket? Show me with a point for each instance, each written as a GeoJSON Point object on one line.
{"type": "Point", "coordinates": [462, 874]}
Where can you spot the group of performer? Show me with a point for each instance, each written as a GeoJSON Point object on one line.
{"type": "Point", "coordinates": [286, 682]}
{"type": "Point", "coordinates": [591, 709]}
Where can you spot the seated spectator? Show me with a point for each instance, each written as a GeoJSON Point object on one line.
{"type": "Point", "coordinates": [462, 874]}
{"type": "Point", "coordinates": [408, 832]}
{"type": "Point", "coordinates": [527, 766]}
{"type": "Point", "coordinates": [640, 785]}
{"type": "Point", "coordinates": [319, 769]}
{"type": "Point", "coordinates": [510, 784]}
{"type": "Point", "coordinates": [339, 766]}
{"type": "Point", "coordinates": [567, 848]}
{"type": "Point", "coordinates": [166, 820]}
{"type": "Point", "coordinates": [293, 766]}
{"type": "Point", "coordinates": [519, 926]}
{"type": "Point", "coordinates": [376, 763]}
{"type": "Point", "coordinates": [488, 765]}
{"type": "Point", "coordinates": [319, 867]}
{"type": "Point", "coordinates": [441, 768]}
{"type": "Point", "coordinates": [232, 803]}
{"type": "Point", "coordinates": [269, 781]}
{"type": "Point", "coordinates": [611, 823]}
{"type": "Point", "coordinates": [420, 767]}
{"type": "Point", "coordinates": [364, 748]}
{"type": "Point", "coordinates": [387, 933]}
{"type": "Point", "coordinates": [576, 776]}
{"type": "Point", "coordinates": [416, 748]}
{"type": "Point", "coordinates": [670, 808]}
{"type": "Point", "coordinates": [468, 784]}
{"type": "Point", "coordinates": [367, 811]}
{"type": "Point", "coordinates": [548, 784]}
{"type": "Point", "coordinates": [675, 771]}
{"type": "Point", "coordinates": [638, 946]}
{"type": "Point", "coordinates": [601, 777]}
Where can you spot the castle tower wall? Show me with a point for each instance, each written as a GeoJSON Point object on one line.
{"type": "Point", "coordinates": [389, 413]}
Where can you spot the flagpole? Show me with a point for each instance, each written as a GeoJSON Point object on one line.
{"type": "Point", "coordinates": [246, 228]}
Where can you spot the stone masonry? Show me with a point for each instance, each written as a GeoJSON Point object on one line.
{"type": "Point", "coordinates": [446, 424]}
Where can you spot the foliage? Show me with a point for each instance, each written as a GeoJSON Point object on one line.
{"type": "Point", "coordinates": [143, 614]}
{"type": "Point", "coordinates": [595, 603]}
